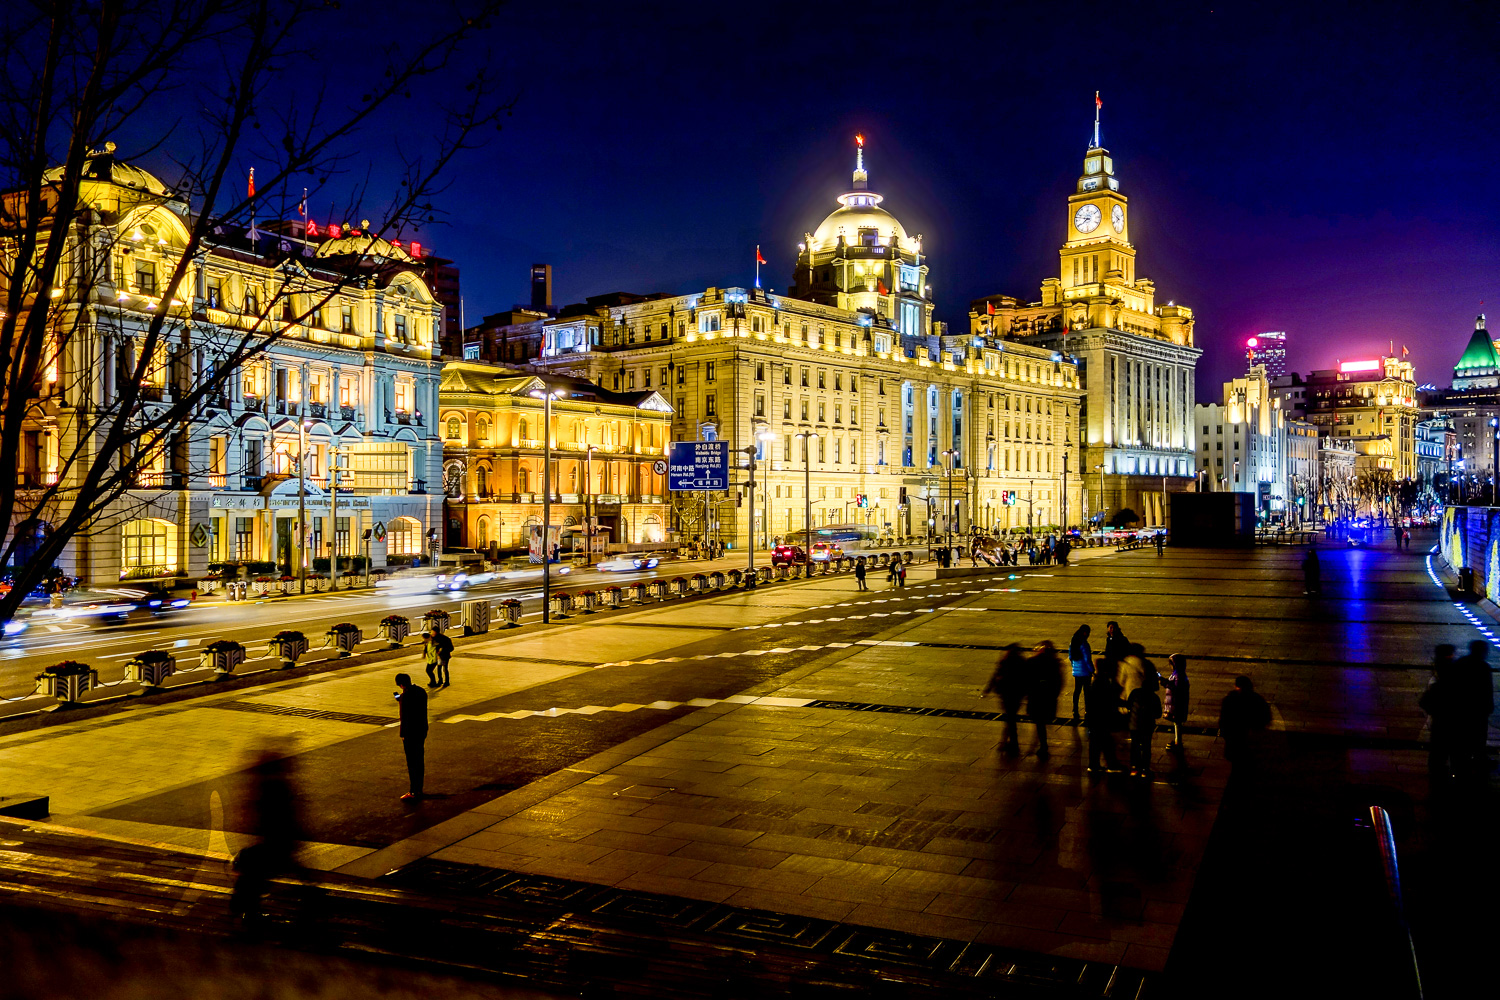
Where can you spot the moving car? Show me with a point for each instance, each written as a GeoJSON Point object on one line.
{"type": "Point", "coordinates": [787, 555]}
{"type": "Point", "coordinates": [627, 563]}
{"type": "Point", "coordinates": [430, 580]}
{"type": "Point", "coordinates": [826, 552]}
{"type": "Point", "coordinates": [107, 604]}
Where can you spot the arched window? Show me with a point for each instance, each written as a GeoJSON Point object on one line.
{"type": "Point", "coordinates": [484, 533]}
{"type": "Point", "coordinates": [147, 548]}
{"type": "Point", "coordinates": [482, 480]}
{"type": "Point", "coordinates": [483, 426]}
{"type": "Point", "coordinates": [455, 427]}
{"type": "Point", "coordinates": [404, 537]}
{"type": "Point", "coordinates": [521, 430]}
{"type": "Point", "coordinates": [523, 480]}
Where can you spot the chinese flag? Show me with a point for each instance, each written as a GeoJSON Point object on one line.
{"type": "Point", "coordinates": [880, 287]}
{"type": "Point", "coordinates": [989, 308]}
{"type": "Point", "coordinates": [758, 258]}
{"type": "Point", "coordinates": [250, 188]}
{"type": "Point", "coordinates": [1097, 103]}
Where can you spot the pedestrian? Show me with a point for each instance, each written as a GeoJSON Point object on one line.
{"type": "Point", "coordinates": [1116, 646]}
{"type": "Point", "coordinates": [436, 651]}
{"type": "Point", "coordinates": [894, 574]}
{"type": "Point", "coordinates": [859, 573]}
{"type": "Point", "coordinates": [1044, 675]}
{"type": "Point", "coordinates": [1312, 572]}
{"type": "Point", "coordinates": [1175, 699]}
{"type": "Point", "coordinates": [1243, 714]}
{"type": "Point", "coordinates": [1101, 706]}
{"type": "Point", "coordinates": [1161, 542]}
{"type": "Point", "coordinates": [413, 732]}
{"type": "Point", "coordinates": [901, 575]}
{"type": "Point", "coordinates": [1009, 684]}
{"type": "Point", "coordinates": [1473, 702]}
{"type": "Point", "coordinates": [1439, 701]}
{"type": "Point", "coordinates": [1081, 659]}
{"type": "Point", "coordinates": [272, 808]}
{"type": "Point", "coordinates": [1144, 709]}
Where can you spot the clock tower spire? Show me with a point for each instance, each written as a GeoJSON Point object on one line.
{"type": "Point", "coordinates": [1098, 259]}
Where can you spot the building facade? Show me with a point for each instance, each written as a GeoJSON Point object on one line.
{"type": "Point", "coordinates": [345, 376]}
{"type": "Point", "coordinates": [1372, 404]}
{"type": "Point", "coordinates": [1136, 358]}
{"type": "Point", "coordinates": [1267, 350]}
{"type": "Point", "coordinates": [608, 451]}
{"type": "Point", "coordinates": [1242, 443]}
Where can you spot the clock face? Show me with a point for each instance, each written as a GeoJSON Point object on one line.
{"type": "Point", "coordinates": [1117, 217]}
{"type": "Point", "coordinates": [1087, 219]}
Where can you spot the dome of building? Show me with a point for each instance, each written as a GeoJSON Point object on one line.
{"type": "Point", "coordinates": [859, 210]}
{"type": "Point", "coordinates": [101, 165]}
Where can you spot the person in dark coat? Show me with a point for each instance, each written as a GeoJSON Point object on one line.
{"type": "Point", "coordinates": [1143, 708]}
{"type": "Point", "coordinates": [1009, 683]}
{"type": "Point", "coordinates": [1116, 646]}
{"type": "Point", "coordinates": [1044, 672]}
{"type": "Point", "coordinates": [1175, 698]}
{"type": "Point", "coordinates": [436, 651]}
{"type": "Point", "coordinates": [1101, 706]}
{"type": "Point", "coordinates": [1444, 755]}
{"type": "Point", "coordinates": [1242, 714]}
{"type": "Point", "coordinates": [1473, 704]}
{"type": "Point", "coordinates": [1312, 573]}
{"type": "Point", "coordinates": [1081, 659]}
{"type": "Point", "coordinates": [859, 574]}
{"type": "Point", "coordinates": [413, 732]}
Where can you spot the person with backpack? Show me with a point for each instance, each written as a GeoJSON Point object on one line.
{"type": "Point", "coordinates": [1081, 658]}
{"type": "Point", "coordinates": [436, 650]}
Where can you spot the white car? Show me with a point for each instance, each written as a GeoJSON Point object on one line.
{"type": "Point", "coordinates": [627, 564]}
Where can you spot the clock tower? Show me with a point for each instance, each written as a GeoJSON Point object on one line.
{"type": "Point", "coordinates": [1098, 252]}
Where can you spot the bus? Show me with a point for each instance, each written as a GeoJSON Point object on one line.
{"type": "Point", "coordinates": [849, 537]}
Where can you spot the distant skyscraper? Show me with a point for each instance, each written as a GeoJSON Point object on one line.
{"type": "Point", "coordinates": [1268, 350]}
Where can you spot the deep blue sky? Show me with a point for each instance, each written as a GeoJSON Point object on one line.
{"type": "Point", "coordinates": [1325, 169]}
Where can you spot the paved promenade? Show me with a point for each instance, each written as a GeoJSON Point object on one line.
{"type": "Point", "coordinates": [808, 757]}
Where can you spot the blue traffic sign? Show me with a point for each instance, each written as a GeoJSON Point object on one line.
{"type": "Point", "coordinates": [699, 465]}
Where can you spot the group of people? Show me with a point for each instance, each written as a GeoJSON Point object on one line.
{"type": "Point", "coordinates": [1459, 700]}
{"type": "Point", "coordinates": [1118, 690]}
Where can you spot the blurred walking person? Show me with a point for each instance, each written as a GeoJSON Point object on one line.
{"type": "Point", "coordinates": [1243, 715]}
{"type": "Point", "coordinates": [1044, 677]}
{"type": "Point", "coordinates": [1312, 573]}
{"type": "Point", "coordinates": [273, 819]}
{"type": "Point", "coordinates": [1473, 704]}
{"type": "Point", "coordinates": [859, 573]}
{"type": "Point", "coordinates": [1441, 703]}
{"type": "Point", "coordinates": [1101, 706]}
{"type": "Point", "coordinates": [1081, 659]}
{"type": "Point", "coordinates": [1009, 684]}
{"type": "Point", "coordinates": [1176, 691]}
{"type": "Point", "coordinates": [1144, 708]}
{"type": "Point", "coordinates": [436, 651]}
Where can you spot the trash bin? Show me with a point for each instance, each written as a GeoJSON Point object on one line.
{"type": "Point", "coordinates": [1466, 579]}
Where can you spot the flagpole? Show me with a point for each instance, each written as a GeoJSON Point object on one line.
{"type": "Point", "coordinates": [757, 265]}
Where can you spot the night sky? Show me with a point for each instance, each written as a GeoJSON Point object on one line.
{"type": "Point", "coordinates": [1323, 169]}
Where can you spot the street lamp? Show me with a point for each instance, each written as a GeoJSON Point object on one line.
{"type": "Point", "coordinates": [1065, 494]}
{"type": "Point", "coordinates": [302, 505]}
{"type": "Point", "coordinates": [1102, 508]}
{"type": "Point", "coordinates": [588, 505]}
{"type": "Point", "coordinates": [807, 435]}
{"type": "Point", "coordinates": [952, 456]}
{"type": "Point", "coordinates": [765, 437]}
{"type": "Point", "coordinates": [546, 397]}
{"type": "Point", "coordinates": [750, 528]}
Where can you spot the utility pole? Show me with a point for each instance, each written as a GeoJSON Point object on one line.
{"type": "Point", "coordinates": [302, 506]}
{"type": "Point", "coordinates": [333, 516]}
{"type": "Point", "coordinates": [750, 505]}
{"type": "Point", "coordinates": [1065, 494]}
{"type": "Point", "coordinates": [807, 435]}
{"type": "Point", "coordinates": [546, 396]}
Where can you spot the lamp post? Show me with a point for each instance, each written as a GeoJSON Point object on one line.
{"type": "Point", "coordinates": [1065, 494]}
{"type": "Point", "coordinates": [765, 436]}
{"type": "Point", "coordinates": [588, 505]}
{"type": "Point", "coordinates": [546, 397]}
{"type": "Point", "coordinates": [302, 506]}
{"type": "Point", "coordinates": [333, 515]}
{"type": "Point", "coordinates": [750, 528]}
{"type": "Point", "coordinates": [952, 456]}
{"type": "Point", "coordinates": [1103, 508]}
{"type": "Point", "coordinates": [807, 436]}
{"type": "Point", "coordinates": [1494, 455]}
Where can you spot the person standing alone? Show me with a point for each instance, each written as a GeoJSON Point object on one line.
{"type": "Point", "coordinates": [1175, 701]}
{"type": "Point", "coordinates": [1081, 657]}
{"type": "Point", "coordinates": [413, 732]}
{"type": "Point", "coordinates": [859, 574]}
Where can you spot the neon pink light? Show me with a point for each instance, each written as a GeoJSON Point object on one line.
{"type": "Point", "coordinates": [1251, 342]}
{"type": "Point", "coordinates": [1360, 366]}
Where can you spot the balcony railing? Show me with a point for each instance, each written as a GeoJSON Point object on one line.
{"type": "Point", "coordinates": [318, 409]}
{"type": "Point", "coordinates": [255, 404]}
{"type": "Point", "coordinates": [346, 412]}
{"type": "Point", "coordinates": [158, 479]}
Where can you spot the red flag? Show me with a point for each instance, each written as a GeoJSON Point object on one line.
{"type": "Point", "coordinates": [251, 186]}
{"type": "Point", "coordinates": [1404, 351]}
{"type": "Point", "coordinates": [989, 308]}
{"type": "Point", "coordinates": [1097, 103]}
{"type": "Point", "coordinates": [758, 258]}
{"type": "Point", "coordinates": [880, 286]}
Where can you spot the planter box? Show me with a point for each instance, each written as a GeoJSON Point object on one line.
{"type": "Point", "coordinates": [612, 597]}
{"type": "Point", "coordinates": [586, 601]}
{"type": "Point", "coordinates": [560, 605]}
{"type": "Point", "coordinates": [209, 586]}
{"type": "Point", "coordinates": [641, 591]}
{"type": "Point", "coordinates": [287, 650]}
{"type": "Point", "coordinates": [659, 588]}
{"type": "Point", "coordinates": [150, 671]}
{"type": "Point", "coordinates": [716, 580]}
{"type": "Point", "coordinates": [222, 661]}
{"type": "Point", "coordinates": [395, 630]}
{"type": "Point", "coordinates": [765, 573]}
{"type": "Point", "coordinates": [677, 586]}
{"type": "Point", "coordinates": [510, 613]}
{"type": "Point", "coordinates": [736, 577]}
{"type": "Point", "coordinates": [67, 688]}
{"type": "Point", "coordinates": [344, 639]}
{"type": "Point", "coordinates": [783, 572]}
{"type": "Point", "coordinates": [436, 620]}
{"type": "Point", "coordinates": [476, 616]}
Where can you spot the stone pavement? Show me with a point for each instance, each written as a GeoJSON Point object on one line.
{"type": "Point", "coordinates": [816, 753]}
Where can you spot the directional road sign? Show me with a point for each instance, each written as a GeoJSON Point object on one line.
{"type": "Point", "coordinates": [699, 465]}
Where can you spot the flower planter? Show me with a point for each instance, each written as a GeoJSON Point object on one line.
{"type": "Point", "coordinates": [510, 612]}
{"type": "Point", "coordinates": [677, 586]}
{"type": "Point", "coordinates": [698, 584]}
{"type": "Point", "coordinates": [783, 572]}
{"type": "Point", "coordinates": [612, 597]}
{"type": "Point", "coordinates": [260, 588]}
{"type": "Point", "coordinates": [640, 591]}
{"type": "Point", "coordinates": [476, 616]}
{"type": "Point", "coordinates": [766, 573]}
{"type": "Point", "coordinates": [394, 628]}
{"type": "Point", "coordinates": [151, 668]}
{"type": "Point", "coordinates": [436, 620]}
{"type": "Point", "coordinates": [659, 588]}
{"type": "Point", "coordinates": [208, 586]}
{"type": "Point", "coordinates": [287, 646]}
{"type": "Point", "coordinates": [586, 601]}
{"type": "Point", "coordinates": [222, 657]}
{"type": "Point", "coordinates": [68, 681]}
{"type": "Point", "coordinates": [736, 577]}
{"type": "Point", "coordinates": [716, 580]}
{"type": "Point", "coordinates": [344, 637]}
{"type": "Point", "coordinates": [560, 605]}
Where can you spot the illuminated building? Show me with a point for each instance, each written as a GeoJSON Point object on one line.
{"type": "Point", "coordinates": [1372, 404]}
{"type": "Point", "coordinates": [1472, 403]}
{"type": "Point", "coordinates": [1136, 357]}
{"type": "Point", "coordinates": [351, 362]}
{"type": "Point", "coordinates": [605, 450]}
{"type": "Point", "coordinates": [1242, 442]}
{"type": "Point", "coordinates": [1268, 351]}
{"type": "Point", "coordinates": [882, 393]}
